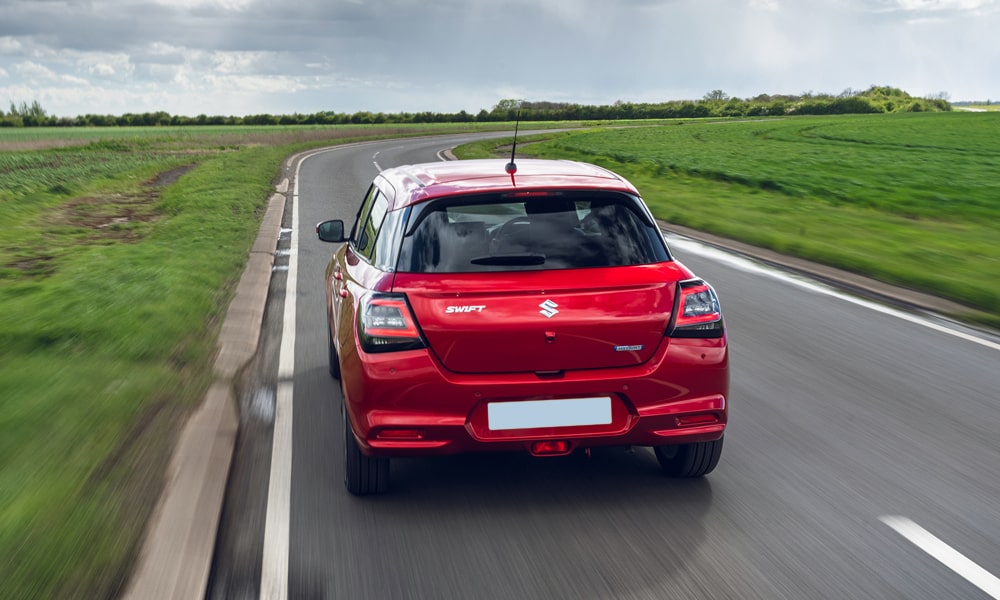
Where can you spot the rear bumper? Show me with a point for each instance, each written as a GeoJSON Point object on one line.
{"type": "Point", "coordinates": [407, 404]}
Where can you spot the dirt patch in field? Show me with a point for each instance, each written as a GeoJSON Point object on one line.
{"type": "Point", "coordinates": [117, 216]}
{"type": "Point", "coordinates": [35, 266]}
{"type": "Point", "coordinates": [167, 177]}
{"type": "Point", "coordinates": [109, 218]}
{"type": "Point", "coordinates": [27, 145]}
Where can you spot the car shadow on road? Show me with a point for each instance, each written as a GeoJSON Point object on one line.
{"type": "Point", "coordinates": [576, 526]}
{"type": "Point", "coordinates": [604, 474]}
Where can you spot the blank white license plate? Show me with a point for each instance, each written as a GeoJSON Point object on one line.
{"type": "Point", "coordinates": [530, 414]}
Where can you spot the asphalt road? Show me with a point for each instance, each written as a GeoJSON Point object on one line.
{"type": "Point", "coordinates": [853, 433]}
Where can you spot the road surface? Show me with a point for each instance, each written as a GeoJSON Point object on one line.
{"type": "Point", "coordinates": [862, 460]}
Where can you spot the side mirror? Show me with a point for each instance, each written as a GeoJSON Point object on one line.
{"type": "Point", "coordinates": [331, 231]}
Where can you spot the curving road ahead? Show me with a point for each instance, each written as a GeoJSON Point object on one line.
{"type": "Point", "coordinates": [862, 460]}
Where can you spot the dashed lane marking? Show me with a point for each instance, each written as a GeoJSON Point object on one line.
{"type": "Point", "coordinates": [945, 554]}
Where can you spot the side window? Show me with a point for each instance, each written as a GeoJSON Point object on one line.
{"type": "Point", "coordinates": [370, 223]}
{"type": "Point", "coordinates": [387, 241]}
{"type": "Point", "coordinates": [363, 212]}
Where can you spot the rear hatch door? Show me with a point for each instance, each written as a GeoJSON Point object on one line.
{"type": "Point", "coordinates": [543, 321]}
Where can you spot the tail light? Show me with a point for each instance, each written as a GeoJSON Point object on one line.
{"type": "Point", "coordinates": [697, 314]}
{"type": "Point", "coordinates": [386, 324]}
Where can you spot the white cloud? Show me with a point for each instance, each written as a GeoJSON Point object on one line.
{"type": "Point", "coordinates": [34, 71]}
{"type": "Point", "coordinates": [190, 5]}
{"type": "Point", "coordinates": [765, 5]}
{"type": "Point", "coordinates": [239, 62]}
{"type": "Point", "coordinates": [73, 80]}
{"type": "Point", "coordinates": [930, 7]}
{"type": "Point", "coordinates": [158, 48]}
{"type": "Point", "coordinates": [9, 45]}
{"type": "Point", "coordinates": [938, 5]}
{"type": "Point", "coordinates": [256, 84]}
{"type": "Point", "coordinates": [103, 64]}
{"type": "Point", "coordinates": [102, 70]}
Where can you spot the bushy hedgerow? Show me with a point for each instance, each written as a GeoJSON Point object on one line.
{"type": "Point", "coordinates": [876, 99]}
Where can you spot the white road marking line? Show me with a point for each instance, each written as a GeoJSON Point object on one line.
{"type": "Point", "coordinates": [277, 532]}
{"type": "Point", "coordinates": [750, 266]}
{"type": "Point", "coordinates": [945, 554]}
{"type": "Point", "coordinates": [274, 562]}
{"type": "Point", "coordinates": [375, 161]}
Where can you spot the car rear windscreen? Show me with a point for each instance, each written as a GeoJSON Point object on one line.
{"type": "Point", "coordinates": [559, 231]}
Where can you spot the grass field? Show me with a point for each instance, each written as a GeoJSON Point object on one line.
{"type": "Point", "coordinates": [118, 255]}
{"type": "Point", "coordinates": [120, 249]}
{"type": "Point", "coordinates": [200, 136]}
{"type": "Point", "coordinates": [110, 294]}
{"type": "Point", "coordinates": [912, 199]}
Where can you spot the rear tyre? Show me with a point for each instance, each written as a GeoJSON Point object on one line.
{"type": "Point", "coordinates": [689, 460]}
{"type": "Point", "coordinates": [332, 354]}
{"type": "Point", "coordinates": [363, 475]}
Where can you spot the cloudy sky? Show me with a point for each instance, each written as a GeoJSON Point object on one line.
{"type": "Point", "coordinates": [239, 57]}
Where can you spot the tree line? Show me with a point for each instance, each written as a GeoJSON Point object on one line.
{"type": "Point", "coordinates": [875, 99]}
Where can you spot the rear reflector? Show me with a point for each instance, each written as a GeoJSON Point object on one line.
{"type": "Point", "coordinates": [694, 420]}
{"type": "Point", "coordinates": [400, 434]}
{"type": "Point", "coordinates": [550, 448]}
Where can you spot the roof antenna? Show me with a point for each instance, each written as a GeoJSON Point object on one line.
{"type": "Point", "coordinates": [511, 168]}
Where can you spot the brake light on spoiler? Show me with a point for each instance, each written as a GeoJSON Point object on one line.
{"type": "Point", "coordinates": [697, 313]}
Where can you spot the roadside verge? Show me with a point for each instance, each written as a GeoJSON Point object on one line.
{"type": "Point", "coordinates": [863, 286]}
{"type": "Point", "coordinates": [176, 555]}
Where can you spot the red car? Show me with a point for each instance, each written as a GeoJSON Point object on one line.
{"type": "Point", "coordinates": [482, 306]}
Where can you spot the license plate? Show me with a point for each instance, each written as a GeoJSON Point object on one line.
{"type": "Point", "coordinates": [532, 414]}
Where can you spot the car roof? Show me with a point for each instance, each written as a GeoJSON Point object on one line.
{"type": "Point", "coordinates": [417, 183]}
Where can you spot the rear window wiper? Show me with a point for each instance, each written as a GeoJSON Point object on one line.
{"type": "Point", "coordinates": [524, 259]}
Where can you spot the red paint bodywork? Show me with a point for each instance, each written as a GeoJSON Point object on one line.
{"type": "Point", "coordinates": [433, 400]}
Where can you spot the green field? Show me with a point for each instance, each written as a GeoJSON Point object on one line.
{"type": "Point", "coordinates": [911, 199]}
{"type": "Point", "coordinates": [110, 293]}
{"type": "Point", "coordinates": [178, 138]}
{"type": "Point", "coordinates": [118, 255]}
{"type": "Point", "coordinates": [120, 250]}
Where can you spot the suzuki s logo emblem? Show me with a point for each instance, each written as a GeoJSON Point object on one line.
{"type": "Point", "coordinates": [548, 309]}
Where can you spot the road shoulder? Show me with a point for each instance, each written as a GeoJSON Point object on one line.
{"type": "Point", "coordinates": [859, 284]}
{"type": "Point", "coordinates": [176, 555]}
